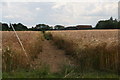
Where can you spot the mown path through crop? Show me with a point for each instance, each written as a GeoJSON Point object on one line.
{"type": "Point", "coordinates": [53, 57]}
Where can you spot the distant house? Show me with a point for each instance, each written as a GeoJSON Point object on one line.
{"type": "Point", "coordinates": [84, 27]}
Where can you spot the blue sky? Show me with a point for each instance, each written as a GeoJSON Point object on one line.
{"type": "Point", "coordinates": [66, 13]}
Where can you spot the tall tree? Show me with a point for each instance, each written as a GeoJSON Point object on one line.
{"type": "Point", "coordinates": [42, 27]}
{"type": "Point", "coordinates": [107, 24]}
{"type": "Point", "coordinates": [59, 27]}
{"type": "Point", "coordinates": [19, 27]}
{"type": "Point", "coordinates": [111, 19]}
{"type": "Point", "coordinates": [5, 27]}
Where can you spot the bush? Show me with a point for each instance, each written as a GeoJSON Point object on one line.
{"type": "Point", "coordinates": [48, 36]}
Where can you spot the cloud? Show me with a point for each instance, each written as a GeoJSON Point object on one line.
{"type": "Point", "coordinates": [104, 9]}
{"type": "Point", "coordinates": [11, 16]}
{"type": "Point", "coordinates": [17, 13]}
{"type": "Point", "coordinates": [81, 12]}
{"type": "Point", "coordinates": [58, 5]}
{"type": "Point", "coordinates": [37, 8]}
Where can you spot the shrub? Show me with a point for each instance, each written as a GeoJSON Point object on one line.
{"type": "Point", "coordinates": [48, 36]}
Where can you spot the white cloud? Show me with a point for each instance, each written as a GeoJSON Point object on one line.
{"type": "Point", "coordinates": [11, 16]}
{"type": "Point", "coordinates": [62, 19]}
{"type": "Point", "coordinates": [88, 9]}
{"type": "Point", "coordinates": [37, 8]}
{"type": "Point", "coordinates": [17, 13]}
{"type": "Point", "coordinates": [81, 12]}
{"type": "Point", "coordinates": [59, 4]}
{"type": "Point", "coordinates": [104, 9]}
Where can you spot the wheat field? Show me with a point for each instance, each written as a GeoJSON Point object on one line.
{"type": "Point", "coordinates": [93, 49]}
{"type": "Point", "coordinates": [13, 55]}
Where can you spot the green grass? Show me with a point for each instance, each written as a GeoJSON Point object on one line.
{"type": "Point", "coordinates": [68, 73]}
{"type": "Point", "coordinates": [30, 74]}
{"type": "Point", "coordinates": [76, 72]}
{"type": "Point", "coordinates": [98, 74]}
{"type": "Point", "coordinates": [43, 72]}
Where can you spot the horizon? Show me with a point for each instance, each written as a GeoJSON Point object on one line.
{"type": "Point", "coordinates": [50, 25]}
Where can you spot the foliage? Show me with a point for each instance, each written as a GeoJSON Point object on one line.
{"type": "Point", "coordinates": [102, 24]}
{"type": "Point", "coordinates": [67, 72]}
{"type": "Point", "coordinates": [108, 24]}
{"type": "Point", "coordinates": [47, 35]}
{"type": "Point", "coordinates": [28, 73]}
{"type": "Point", "coordinates": [5, 27]}
{"type": "Point", "coordinates": [18, 27]}
{"type": "Point", "coordinates": [42, 27]}
{"type": "Point", "coordinates": [59, 27]}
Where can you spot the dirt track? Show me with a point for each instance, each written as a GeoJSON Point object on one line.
{"type": "Point", "coordinates": [53, 57]}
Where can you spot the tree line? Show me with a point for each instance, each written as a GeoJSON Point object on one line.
{"type": "Point", "coordinates": [102, 24]}
{"type": "Point", "coordinates": [108, 24]}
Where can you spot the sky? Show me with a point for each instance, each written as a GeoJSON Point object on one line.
{"type": "Point", "coordinates": [52, 12]}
